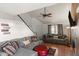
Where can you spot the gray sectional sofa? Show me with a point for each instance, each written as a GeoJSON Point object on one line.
{"type": "Point", "coordinates": [23, 50]}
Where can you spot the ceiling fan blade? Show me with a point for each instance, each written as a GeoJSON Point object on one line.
{"type": "Point", "coordinates": [41, 15]}
{"type": "Point", "coordinates": [45, 14]}
{"type": "Point", "coordinates": [49, 15]}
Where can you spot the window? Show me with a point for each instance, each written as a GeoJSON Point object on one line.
{"type": "Point", "coordinates": [54, 29]}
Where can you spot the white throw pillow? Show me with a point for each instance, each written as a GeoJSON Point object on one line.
{"type": "Point", "coordinates": [26, 42]}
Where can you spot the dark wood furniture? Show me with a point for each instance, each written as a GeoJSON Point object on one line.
{"type": "Point", "coordinates": [51, 52]}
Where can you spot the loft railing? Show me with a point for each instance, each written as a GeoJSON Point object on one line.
{"type": "Point", "coordinates": [25, 23]}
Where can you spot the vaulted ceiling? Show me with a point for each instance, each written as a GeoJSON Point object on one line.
{"type": "Point", "coordinates": [19, 8]}
{"type": "Point", "coordinates": [59, 11]}
{"type": "Point", "coordinates": [59, 14]}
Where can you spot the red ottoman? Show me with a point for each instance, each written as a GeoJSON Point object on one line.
{"type": "Point", "coordinates": [41, 50]}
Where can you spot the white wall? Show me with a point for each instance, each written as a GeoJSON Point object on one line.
{"type": "Point", "coordinates": [17, 28]}
{"type": "Point", "coordinates": [45, 29]}
{"type": "Point", "coordinates": [35, 25]}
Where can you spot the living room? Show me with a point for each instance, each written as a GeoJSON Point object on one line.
{"type": "Point", "coordinates": [43, 25]}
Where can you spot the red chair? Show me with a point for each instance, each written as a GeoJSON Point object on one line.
{"type": "Point", "coordinates": [41, 50]}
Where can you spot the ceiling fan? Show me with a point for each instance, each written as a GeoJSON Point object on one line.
{"type": "Point", "coordinates": [45, 14]}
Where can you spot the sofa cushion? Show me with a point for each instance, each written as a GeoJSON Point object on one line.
{"type": "Point", "coordinates": [23, 42]}
{"type": "Point", "coordinates": [25, 52]}
{"type": "Point", "coordinates": [20, 43]}
{"type": "Point", "coordinates": [33, 44]}
{"type": "Point", "coordinates": [3, 53]}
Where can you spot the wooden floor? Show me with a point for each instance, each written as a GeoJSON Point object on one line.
{"type": "Point", "coordinates": [62, 50]}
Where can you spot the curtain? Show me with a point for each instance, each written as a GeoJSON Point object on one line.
{"type": "Point", "coordinates": [60, 29]}
{"type": "Point", "coordinates": [49, 29]}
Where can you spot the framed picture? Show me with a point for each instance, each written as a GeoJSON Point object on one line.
{"type": "Point", "coordinates": [5, 28]}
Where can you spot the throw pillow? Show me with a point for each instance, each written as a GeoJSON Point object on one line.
{"type": "Point", "coordinates": [26, 42]}
{"type": "Point", "coordinates": [33, 38]}
{"type": "Point", "coordinates": [15, 44]}
{"type": "Point", "coordinates": [4, 44]}
{"type": "Point", "coordinates": [10, 50]}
